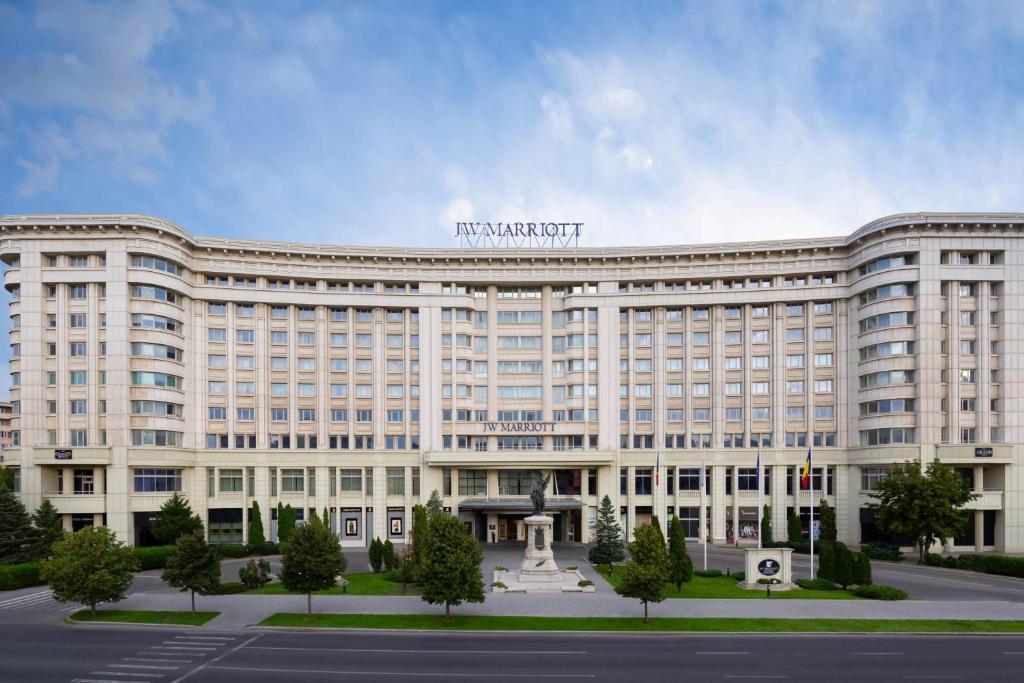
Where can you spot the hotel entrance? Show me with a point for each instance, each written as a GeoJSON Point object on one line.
{"type": "Point", "coordinates": [511, 528]}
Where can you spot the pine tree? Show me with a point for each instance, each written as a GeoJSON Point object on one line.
{"type": "Point", "coordinates": [18, 539]}
{"type": "Point", "coordinates": [7, 478]}
{"type": "Point", "coordinates": [826, 561]}
{"type": "Point", "coordinates": [312, 560]}
{"type": "Point", "coordinates": [174, 520]}
{"type": "Point", "coordinates": [256, 534]}
{"type": "Point", "coordinates": [609, 547]}
{"type": "Point", "coordinates": [49, 528]}
{"type": "Point", "coordinates": [388, 555]}
{"type": "Point", "coordinates": [844, 565]}
{"type": "Point", "coordinates": [193, 566]}
{"type": "Point", "coordinates": [90, 567]}
{"type": "Point", "coordinates": [794, 529]}
{"type": "Point", "coordinates": [647, 572]}
{"type": "Point", "coordinates": [285, 523]}
{"type": "Point", "coordinates": [450, 574]}
{"type": "Point", "coordinates": [434, 504]}
{"type": "Point", "coordinates": [827, 516]}
{"type": "Point", "coordinates": [420, 539]}
{"type": "Point", "coordinates": [766, 527]}
{"type": "Point", "coordinates": [376, 555]}
{"type": "Point", "coordinates": [656, 523]}
{"type": "Point", "coordinates": [327, 517]}
{"type": "Point", "coordinates": [861, 569]}
{"type": "Point", "coordinates": [680, 564]}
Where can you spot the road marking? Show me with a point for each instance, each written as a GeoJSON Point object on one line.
{"type": "Point", "coordinates": [25, 600]}
{"type": "Point", "coordinates": [208, 637]}
{"type": "Point", "coordinates": [149, 659]}
{"type": "Point", "coordinates": [178, 645]}
{"type": "Point", "coordinates": [126, 673]}
{"type": "Point", "coordinates": [878, 653]}
{"type": "Point", "coordinates": [408, 674]}
{"type": "Point", "coordinates": [221, 656]}
{"type": "Point", "coordinates": [93, 680]}
{"type": "Point", "coordinates": [142, 666]}
{"type": "Point", "coordinates": [1013, 653]}
{"type": "Point", "coordinates": [421, 652]}
{"type": "Point", "coordinates": [931, 676]}
{"type": "Point", "coordinates": [754, 676]}
{"type": "Point", "coordinates": [721, 653]}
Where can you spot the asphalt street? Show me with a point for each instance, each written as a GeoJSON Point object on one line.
{"type": "Point", "coordinates": [44, 653]}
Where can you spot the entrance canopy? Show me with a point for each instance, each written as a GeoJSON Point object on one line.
{"type": "Point", "coordinates": [518, 505]}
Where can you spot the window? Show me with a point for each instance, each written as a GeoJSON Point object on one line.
{"type": "Point", "coordinates": [472, 482]}
{"type": "Point", "coordinates": [218, 412]}
{"type": "Point", "coordinates": [154, 480]}
{"type": "Point", "coordinates": [822, 360]}
{"type": "Point", "coordinates": [245, 414]}
{"type": "Point", "coordinates": [155, 322]}
{"type": "Point", "coordinates": [701, 338]}
{"type": "Point", "coordinates": [642, 480]}
{"type": "Point", "coordinates": [701, 389]}
{"type": "Point", "coordinates": [823, 333]}
{"type": "Point", "coordinates": [894, 435]}
{"type": "Point", "coordinates": [759, 337]}
{"type": "Point", "coordinates": [795, 360]}
{"type": "Point", "coordinates": [396, 481]}
{"type": "Point", "coordinates": [155, 437]}
{"type": "Point", "coordinates": [870, 477]}
{"type": "Point", "coordinates": [230, 481]}
{"type": "Point", "coordinates": [823, 386]}
{"type": "Point", "coordinates": [795, 334]}
{"type": "Point", "coordinates": [292, 480]}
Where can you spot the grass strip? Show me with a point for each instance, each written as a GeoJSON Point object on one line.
{"type": "Point", "coordinates": [726, 587]}
{"type": "Point", "coordinates": [431, 622]}
{"type": "Point", "coordinates": [359, 583]}
{"type": "Point", "coordinates": [130, 616]}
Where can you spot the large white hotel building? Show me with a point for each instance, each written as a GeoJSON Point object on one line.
{"type": "Point", "coordinates": [146, 360]}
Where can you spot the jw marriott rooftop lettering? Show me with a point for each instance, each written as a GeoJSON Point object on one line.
{"type": "Point", "coordinates": [519, 426]}
{"type": "Point", "coordinates": [519, 235]}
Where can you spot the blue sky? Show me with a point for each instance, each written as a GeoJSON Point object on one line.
{"type": "Point", "coordinates": [385, 122]}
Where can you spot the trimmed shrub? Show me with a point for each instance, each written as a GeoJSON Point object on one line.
{"type": "Point", "coordinates": [708, 573]}
{"type": "Point", "coordinates": [951, 562]}
{"type": "Point", "coordinates": [388, 557]}
{"type": "Point", "coordinates": [994, 564]}
{"type": "Point", "coordinates": [881, 593]}
{"type": "Point", "coordinates": [265, 548]}
{"type": "Point", "coordinates": [881, 551]}
{"type": "Point", "coordinates": [818, 584]}
{"type": "Point", "coordinates": [826, 562]}
{"type": "Point", "coordinates": [393, 575]}
{"type": "Point", "coordinates": [15, 576]}
{"type": "Point", "coordinates": [583, 583]}
{"type": "Point", "coordinates": [861, 569]}
{"type": "Point", "coordinates": [932, 560]}
{"type": "Point", "coordinates": [740, 576]}
{"type": "Point", "coordinates": [376, 555]}
{"type": "Point", "coordinates": [232, 550]}
{"type": "Point", "coordinates": [498, 584]}
{"type": "Point", "coordinates": [769, 582]}
{"type": "Point", "coordinates": [153, 557]}
{"type": "Point", "coordinates": [230, 588]}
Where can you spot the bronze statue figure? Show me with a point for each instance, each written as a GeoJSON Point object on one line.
{"type": "Point", "coordinates": [537, 493]}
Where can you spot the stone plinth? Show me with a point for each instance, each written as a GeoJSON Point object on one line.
{"type": "Point", "coordinates": [768, 564]}
{"type": "Point", "coordinates": [538, 572]}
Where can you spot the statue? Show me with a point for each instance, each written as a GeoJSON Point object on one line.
{"type": "Point", "coordinates": [537, 493]}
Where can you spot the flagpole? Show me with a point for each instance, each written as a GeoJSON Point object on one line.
{"type": "Point", "coordinates": [760, 500]}
{"type": "Point", "coordinates": [703, 517]}
{"type": "Point", "coordinates": [810, 487]}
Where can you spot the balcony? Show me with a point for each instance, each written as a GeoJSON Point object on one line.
{"type": "Point", "coordinates": [987, 500]}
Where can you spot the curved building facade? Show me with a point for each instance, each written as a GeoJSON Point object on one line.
{"type": "Point", "coordinates": [146, 360]}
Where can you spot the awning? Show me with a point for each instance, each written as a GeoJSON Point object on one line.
{"type": "Point", "coordinates": [522, 505]}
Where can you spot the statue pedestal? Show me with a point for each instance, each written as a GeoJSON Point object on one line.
{"type": "Point", "coordinates": [539, 562]}
{"type": "Point", "coordinates": [768, 564]}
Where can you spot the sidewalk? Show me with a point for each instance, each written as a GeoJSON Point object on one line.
{"type": "Point", "coordinates": [239, 611]}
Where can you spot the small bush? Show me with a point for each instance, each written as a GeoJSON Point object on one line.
{"type": "Point", "coordinates": [267, 548]}
{"type": "Point", "coordinates": [708, 573]}
{"type": "Point", "coordinates": [255, 573]}
{"type": "Point", "coordinates": [232, 550]}
{"type": "Point", "coordinates": [231, 587]}
{"type": "Point", "coordinates": [932, 560]}
{"type": "Point", "coordinates": [951, 562]}
{"type": "Point", "coordinates": [14, 576]}
{"type": "Point", "coordinates": [881, 593]}
{"type": "Point", "coordinates": [769, 582]}
{"type": "Point", "coordinates": [584, 583]}
{"type": "Point", "coordinates": [818, 584]}
{"type": "Point", "coordinates": [881, 551]}
{"type": "Point", "coordinates": [739, 576]}
{"type": "Point", "coordinates": [571, 569]}
{"type": "Point", "coordinates": [498, 584]}
{"type": "Point", "coordinates": [153, 557]}
{"type": "Point", "coordinates": [394, 576]}
{"type": "Point", "coordinates": [499, 568]}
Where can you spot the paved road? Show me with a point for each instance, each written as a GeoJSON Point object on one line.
{"type": "Point", "coordinates": [102, 654]}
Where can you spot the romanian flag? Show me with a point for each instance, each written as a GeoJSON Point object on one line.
{"type": "Point", "coordinates": [805, 475]}
{"type": "Point", "coordinates": [657, 470]}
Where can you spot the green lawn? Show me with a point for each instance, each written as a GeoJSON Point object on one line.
{"type": "Point", "coordinates": [727, 587]}
{"type": "Point", "coordinates": [481, 623]}
{"type": "Point", "coordinates": [144, 617]}
{"type": "Point", "coordinates": [364, 583]}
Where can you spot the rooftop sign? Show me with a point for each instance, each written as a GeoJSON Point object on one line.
{"type": "Point", "coordinates": [518, 235]}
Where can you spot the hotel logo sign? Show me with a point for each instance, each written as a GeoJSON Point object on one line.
{"type": "Point", "coordinates": [515, 235]}
{"type": "Point", "coordinates": [519, 427]}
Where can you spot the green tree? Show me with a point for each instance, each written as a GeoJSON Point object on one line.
{"type": "Point", "coordinates": [376, 555]}
{"type": "Point", "coordinates": [861, 569]}
{"type": "Point", "coordinates": [680, 565]}
{"type": "Point", "coordinates": [843, 574]}
{"type": "Point", "coordinates": [327, 518]}
{"type": "Point", "coordinates": [434, 505]}
{"type": "Point", "coordinates": [255, 573]}
{"type": "Point", "coordinates": [827, 518]}
{"type": "Point", "coordinates": [18, 539]}
{"type": "Point", "coordinates": [49, 528]}
{"type": "Point", "coordinates": [388, 555]}
{"type": "Point", "coordinates": [766, 526]}
{"type": "Point", "coordinates": [647, 572]}
{"type": "Point", "coordinates": [794, 532]}
{"type": "Point", "coordinates": [924, 506]}
{"type": "Point", "coordinates": [312, 560]}
{"type": "Point", "coordinates": [285, 523]}
{"type": "Point", "coordinates": [174, 520]}
{"type": "Point", "coordinates": [609, 546]}
{"type": "Point", "coordinates": [193, 566]}
{"type": "Point", "coordinates": [450, 574]}
{"type": "Point", "coordinates": [91, 567]}
{"type": "Point", "coordinates": [256, 533]}
{"type": "Point", "coordinates": [420, 539]}
{"type": "Point", "coordinates": [7, 478]}
{"type": "Point", "coordinates": [656, 523]}
{"type": "Point", "coordinates": [826, 561]}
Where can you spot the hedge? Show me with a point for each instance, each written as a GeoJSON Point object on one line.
{"type": "Point", "coordinates": [237, 550]}
{"type": "Point", "coordinates": [876, 592]}
{"type": "Point", "coordinates": [881, 551]}
{"type": "Point", "coordinates": [708, 573]}
{"type": "Point", "coordinates": [231, 587]}
{"type": "Point", "coordinates": [153, 557]}
{"type": "Point", "coordinates": [14, 576]}
{"type": "Point", "coordinates": [817, 584]}
{"type": "Point", "coordinates": [988, 564]}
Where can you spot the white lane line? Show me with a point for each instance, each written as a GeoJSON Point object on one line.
{"type": "Point", "coordinates": [1013, 653]}
{"type": "Point", "coordinates": [21, 598]}
{"type": "Point", "coordinates": [190, 648]}
{"type": "Point", "coordinates": [721, 653]}
{"type": "Point", "coordinates": [143, 666]}
{"type": "Point", "coordinates": [25, 601]}
{"type": "Point", "coordinates": [150, 659]}
{"type": "Point", "coordinates": [731, 676]}
{"type": "Point", "coordinates": [93, 680]}
{"type": "Point", "coordinates": [877, 653]}
{"type": "Point", "coordinates": [405, 674]}
{"type": "Point", "coordinates": [420, 652]}
{"type": "Point", "coordinates": [208, 637]}
{"type": "Point", "coordinates": [125, 673]}
{"type": "Point", "coordinates": [920, 677]}
{"type": "Point", "coordinates": [219, 657]}
{"type": "Point", "coordinates": [179, 645]}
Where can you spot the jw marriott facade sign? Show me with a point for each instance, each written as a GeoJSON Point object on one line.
{"type": "Point", "coordinates": [519, 235]}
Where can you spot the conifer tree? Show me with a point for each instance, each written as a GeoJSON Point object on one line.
{"type": "Point", "coordinates": [766, 526]}
{"type": "Point", "coordinates": [388, 555]}
{"type": "Point", "coordinates": [434, 504]}
{"type": "Point", "coordinates": [680, 564]}
{"type": "Point", "coordinates": [608, 547]}
{"type": "Point", "coordinates": [174, 520]}
{"type": "Point", "coordinates": [256, 533]}
{"type": "Point", "coordinates": [285, 523]}
{"type": "Point", "coordinates": [18, 539]}
{"type": "Point", "coordinates": [376, 555]}
{"type": "Point", "coordinates": [49, 528]}
{"type": "Point", "coordinates": [827, 517]}
{"type": "Point", "coordinates": [794, 529]}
